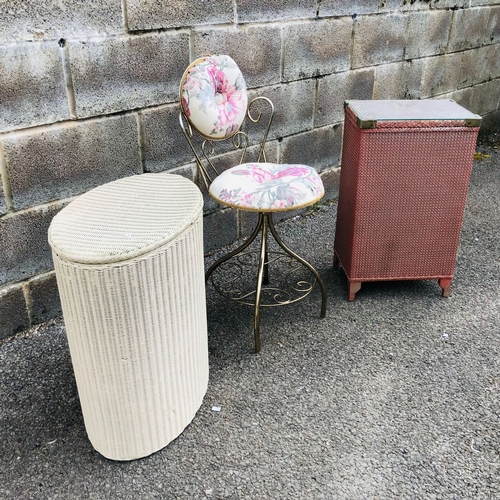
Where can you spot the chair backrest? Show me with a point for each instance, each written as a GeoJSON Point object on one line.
{"type": "Point", "coordinates": [214, 104]}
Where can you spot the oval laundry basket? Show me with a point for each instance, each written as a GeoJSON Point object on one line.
{"type": "Point", "coordinates": [129, 263]}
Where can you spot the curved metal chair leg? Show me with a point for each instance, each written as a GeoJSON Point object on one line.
{"type": "Point", "coordinates": [265, 279]}
{"type": "Point", "coordinates": [260, 278]}
{"type": "Point", "coordinates": [242, 247]}
{"type": "Point", "coordinates": [301, 260]}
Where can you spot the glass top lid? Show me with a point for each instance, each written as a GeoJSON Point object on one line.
{"type": "Point", "coordinates": [427, 109]}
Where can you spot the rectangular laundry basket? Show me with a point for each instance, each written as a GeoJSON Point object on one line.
{"type": "Point", "coordinates": [403, 185]}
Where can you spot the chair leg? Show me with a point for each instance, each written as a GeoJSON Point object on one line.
{"type": "Point", "coordinates": [265, 278]}
{"type": "Point", "coordinates": [264, 225]}
{"type": "Point", "coordinates": [242, 247]}
{"type": "Point", "coordinates": [302, 261]}
{"type": "Point", "coordinates": [263, 265]}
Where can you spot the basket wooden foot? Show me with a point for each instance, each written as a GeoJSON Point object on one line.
{"type": "Point", "coordinates": [445, 284]}
{"type": "Point", "coordinates": [353, 288]}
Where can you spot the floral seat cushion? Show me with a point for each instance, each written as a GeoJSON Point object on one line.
{"type": "Point", "coordinates": [214, 96]}
{"type": "Point", "coordinates": [268, 187]}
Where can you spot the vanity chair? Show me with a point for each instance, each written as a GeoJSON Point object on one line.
{"type": "Point", "coordinates": [214, 105]}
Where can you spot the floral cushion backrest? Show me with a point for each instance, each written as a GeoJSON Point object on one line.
{"type": "Point", "coordinates": [214, 96]}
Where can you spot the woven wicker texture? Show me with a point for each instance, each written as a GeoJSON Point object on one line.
{"type": "Point", "coordinates": [109, 223]}
{"type": "Point", "coordinates": [137, 329]}
{"type": "Point", "coordinates": [402, 198]}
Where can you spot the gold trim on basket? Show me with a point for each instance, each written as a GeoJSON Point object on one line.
{"type": "Point", "coordinates": [366, 123]}
{"type": "Point", "coordinates": [473, 122]}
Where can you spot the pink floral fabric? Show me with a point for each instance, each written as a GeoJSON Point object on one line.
{"type": "Point", "coordinates": [268, 187]}
{"type": "Point", "coordinates": [214, 97]}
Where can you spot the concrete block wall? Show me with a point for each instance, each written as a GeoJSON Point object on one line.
{"type": "Point", "coordinates": [89, 94]}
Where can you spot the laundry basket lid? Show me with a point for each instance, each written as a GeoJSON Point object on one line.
{"type": "Point", "coordinates": [125, 218]}
{"type": "Point", "coordinates": [369, 112]}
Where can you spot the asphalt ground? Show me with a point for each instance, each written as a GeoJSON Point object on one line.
{"type": "Point", "coordinates": [393, 396]}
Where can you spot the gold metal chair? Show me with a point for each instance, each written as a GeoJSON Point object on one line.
{"type": "Point", "coordinates": [214, 104]}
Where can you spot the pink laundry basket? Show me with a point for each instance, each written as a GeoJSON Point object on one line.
{"type": "Point", "coordinates": [403, 185]}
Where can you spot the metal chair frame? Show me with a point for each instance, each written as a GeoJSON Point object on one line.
{"type": "Point", "coordinates": [206, 170]}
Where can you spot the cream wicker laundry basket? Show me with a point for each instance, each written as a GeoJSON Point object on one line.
{"type": "Point", "coordinates": [129, 264]}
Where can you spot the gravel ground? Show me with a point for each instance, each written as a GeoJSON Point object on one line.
{"type": "Point", "coordinates": [393, 396]}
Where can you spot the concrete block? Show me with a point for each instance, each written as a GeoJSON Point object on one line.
{"type": "Point", "coordinates": [294, 107]}
{"type": "Point", "coordinates": [164, 144]}
{"type": "Point", "coordinates": [53, 19]}
{"type": "Point", "coordinates": [478, 3]}
{"type": "Point", "coordinates": [427, 33]}
{"type": "Point", "coordinates": [490, 123]}
{"type": "Point", "coordinates": [62, 161]}
{"type": "Point", "coordinates": [331, 181]}
{"type": "Point", "coordinates": [349, 8]}
{"type": "Point", "coordinates": [45, 301]}
{"type": "Point", "coordinates": [333, 90]}
{"type": "Point", "coordinates": [187, 171]}
{"type": "Point", "coordinates": [483, 99]}
{"type": "Point", "coordinates": [270, 150]}
{"type": "Point", "coordinates": [3, 204]}
{"type": "Point", "coordinates": [123, 73]}
{"type": "Point", "coordinates": [256, 50]}
{"type": "Point", "coordinates": [493, 29]}
{"type": "Point", "coordinates": [490, 54]}
{"type": "Point", "coordinates": [360, 7]}
{"type": "Point", "coordinates": [320, 148]}
{"type": "Point", "coordinates": [314, 48]}
{"type": "Point", "coordinates": [151, 14]}
{"type": "Point", "coordinates": [449, 4]}
{"type": "Point", "coordinates": [219, 229]}
{"type": "Point", "coordinates": [401, 80]}
{"type": "Point", "coordinates": [469, 68]}
{"type": "Point", "coordinates": [14, 316]}
{"type": "Point", "coordinates": [32, 85]}
{"type": "Point", "coordinates": [464, 97]}
{"type": "Point", "coordinates": [274, 10]}
{"type": "Point", "coordinates": [469, 29]}
{"type": "Point", "coordinates": [478, 66]}
{"type": "Point", "coordinates": [441, 74]}
{"type": "Point", "coordinates": [405, 5]}
{"type": "Point", "coordinates": [486, 97]}
{"type": "Point", "coordinates": [378, 39]}
{"type": "Point", "coordinates": [24, 247]}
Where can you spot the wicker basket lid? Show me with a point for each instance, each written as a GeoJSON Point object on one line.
{"type": "Point", "coordinates": [402, 110]}
{"type": "Point", "coordinates": [125, 218]}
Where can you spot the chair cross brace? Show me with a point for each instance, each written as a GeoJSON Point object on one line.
{"type": "Point", "coordinates": [265, 226]}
